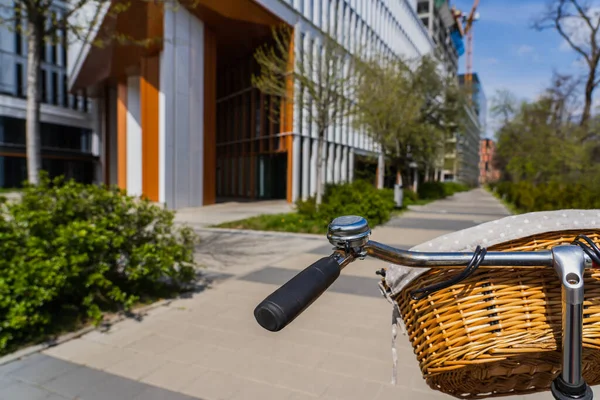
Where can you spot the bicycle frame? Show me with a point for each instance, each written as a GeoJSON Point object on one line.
{"type": "Point", "coordinates": [350, 237]}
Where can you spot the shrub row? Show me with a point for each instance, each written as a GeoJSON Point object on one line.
{"type": "Point", "coordinates": [528, 197]}
{"type": "Point", "coordinates": [439, 190]}
{"type": "Point", "coordinates": [356, 198]}
{"type": "Point", "coordinates": [71, 251]}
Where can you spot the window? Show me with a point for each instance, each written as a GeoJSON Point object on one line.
{"type": "Point", "coordinates": [13, 171]}
{"type": "Point", "coordinates": [44, 86]}
{"type": "Point", "coordinates": [19, 77]}
{"type": "Point", "coordinates": [55, 94]}
{"type": "Point", "coordinates": [65, 94]}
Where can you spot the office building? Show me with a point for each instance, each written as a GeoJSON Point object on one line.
{"type": "Point", "coordinates": [67, 140]}
{"type": "Point", "coordinates": [487, 172]}
{"type": "Point", "coordinates": [437, 18]}
{"type": "Point", "coordinates": [462, 163]}
{"type": "Point", "coordinates": [180, 122]}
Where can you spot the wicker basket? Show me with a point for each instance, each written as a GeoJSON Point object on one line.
{"type": "Point", "coordinates": [498, 332]}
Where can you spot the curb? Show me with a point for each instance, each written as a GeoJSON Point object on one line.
{"type": "Point", "coordinates": [313, 236]}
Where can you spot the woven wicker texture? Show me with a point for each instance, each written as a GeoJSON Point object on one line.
{"type": "Point", "coordinates": [498, 332]}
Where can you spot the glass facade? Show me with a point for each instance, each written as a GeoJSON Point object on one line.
{"type": "Point", "coordinates": [65, 151]}
{"type": "Point", "coordinates": [251, 152]}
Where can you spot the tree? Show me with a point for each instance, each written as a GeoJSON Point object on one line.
{"type": "Point", "coordinates": [324, 78]}
{"type": "Point", "coordinates": [578, 25]}
{"type": "Point", "coordinates": [541, 143]}
{"type": "Point", "coordinates": [409, 108]}
{"type": "Point", "coordinates": [61, 22]}
{"type": "Point", "coordinates": [387, 107]}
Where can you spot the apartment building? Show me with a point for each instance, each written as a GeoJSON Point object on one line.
{"type": "Point", "coordinates": [67, 138]}
{"type": "Point", "coordinates": [180, 121]}
{"type": "Point", "coordinates": [437, 18]}
{"type": "Point", "coordinates": [487, 172]}
{"type": "Point", "coordinates": [461, 161]}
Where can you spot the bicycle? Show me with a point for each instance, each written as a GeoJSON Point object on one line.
{"type": "Point", "coordinates": [350, 237]}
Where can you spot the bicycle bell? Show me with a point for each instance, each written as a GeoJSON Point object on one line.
{"type": "Point", "coordinates": [348, 232]}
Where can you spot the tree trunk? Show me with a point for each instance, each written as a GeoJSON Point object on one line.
{"type": "Point", "coordinates": [589, 91]}
{"type": "Point", "coordinates": [381, 170]}
{"type": "Point", "coordinates": [320, 168]}
{"type": "Point", "coordinates": [34, 47]}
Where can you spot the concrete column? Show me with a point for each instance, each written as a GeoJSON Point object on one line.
{"type": "Point", "coordinates": [330, 161]}
{"type": "Point", "coordinates": [344, 173]}
{"type": "Point", "coordinates": [134, 137]}
{"type": "Point", "coordinates": [350, 165]}
{"type": "Point", "coordinates": [380, 171]}
{"type": "Point", "coordinates": [313, 168]}
{"type": "Point", "coordinates": [295, 167]}
{"type": "Point", "coordinates": [337, 165]}
{"type": "Point", "coordinates": [305, 167]}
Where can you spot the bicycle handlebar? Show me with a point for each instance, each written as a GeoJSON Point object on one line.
{"type": "Point", "coordinates": [350, 236]}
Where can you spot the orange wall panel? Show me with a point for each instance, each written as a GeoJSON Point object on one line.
{"type": "Point", "coordinates": [149, 87]}
{"type": "Point", "coordinates": [210, 118]}
{"type": "Point", "coordinates": [122, 134]}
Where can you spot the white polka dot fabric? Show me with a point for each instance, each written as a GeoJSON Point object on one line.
{"type": "Point", "coordinates": [491, 233]}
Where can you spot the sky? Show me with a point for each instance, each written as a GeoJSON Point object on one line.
{"type": "Point", "coordinates": [509, 54]}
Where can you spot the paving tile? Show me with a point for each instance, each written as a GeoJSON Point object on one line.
{"type": "Point", "coordinates": [155, 393]}
{"type": "Point", "coordinates": [54, 396]}
{"type": "Point", "coordinates": [77, 381]}
{"type": "Point", "coordinates": [173, 376]}
{"type": "Point", "coordinates": [154, 344]}
{"type": "Point", "coordinates": [345, 388]}
{"type": "Point", "coordinates": [45, 369]}
{"type": "Point", "coordinates": [77, 349]}
{"type": "Point", "coordinates": [21, 363]}
{"type": "Point", "coordinates": [302, 396]}
{"type": "Point", "coordinates": [250, 390]}
{"type": "Point", "coordinates": [358, 367]}
{"type": "Point", "coordinates": [22, 391]}
{"type": "Point", "coordinates": [115, 387]}
{"type": "Point", "coordinates": [188, 352]}
{"type": "Point", "coordinates": [213, 385]}
{"type": "Point", "coordinates": [135, 365]}
{"type": "Point", "coordinates": [109, 356]}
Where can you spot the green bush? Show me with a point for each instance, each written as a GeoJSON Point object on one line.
{"type": "Point", "coordinates": [440, 190]}
{"type": "Point", "coordinates": [450, 188]}
{"type": "Point", "coordinates": [409, 197]}
{"type": "Point", "coordinates": [71, 251]}
{"type": "Point", "coordinates": [431, 190]}
{"type": "Point", "coordinates": [527, 197]}
{"type": "Point", "coordinates": [356, 198]}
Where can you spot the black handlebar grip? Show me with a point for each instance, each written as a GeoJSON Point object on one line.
{"type": "Point", "coordinates": [283, 305]}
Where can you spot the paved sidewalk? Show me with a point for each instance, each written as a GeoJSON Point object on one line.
{"type": "Point", "coordinates": [209, 347]}
{"type": "Point", "coordinates": [230, 211]}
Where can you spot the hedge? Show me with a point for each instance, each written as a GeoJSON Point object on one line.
{"type": "Point", "coordinates": [528, 197]}
{"type": "Point", "coordinates": [72, 251]}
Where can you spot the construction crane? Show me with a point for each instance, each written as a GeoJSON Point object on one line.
{"type": "Point", "coordinates": [467, 30]}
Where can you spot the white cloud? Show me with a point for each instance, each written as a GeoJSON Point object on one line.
{"type": "Point", "coordinates": [525, 49]}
